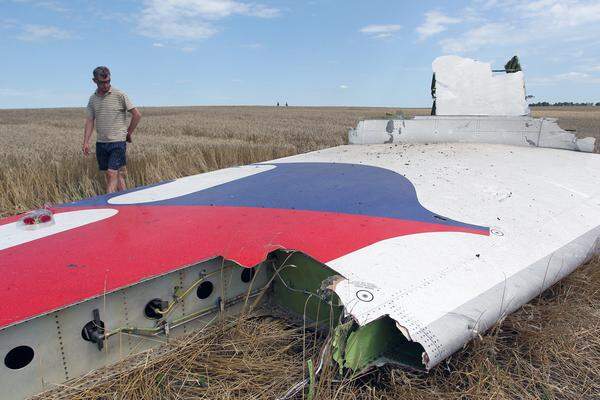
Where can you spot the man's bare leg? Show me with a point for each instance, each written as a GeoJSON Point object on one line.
{"type": "Point", "coordinates": [112, 180]}
{"type": "Point", "coordinates": [122, 176]}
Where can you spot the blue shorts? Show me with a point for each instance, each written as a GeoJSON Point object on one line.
{"type": "Point", "coordinates": [111, 155]}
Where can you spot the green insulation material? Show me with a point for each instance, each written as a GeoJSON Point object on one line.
{"type": "Point", "coordinates": [297, 287]}
{"type": "Point", "coordinates": [375, 343]}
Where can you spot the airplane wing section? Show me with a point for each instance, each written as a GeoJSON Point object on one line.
{"type": "Point", "coordinates": [438, 240]}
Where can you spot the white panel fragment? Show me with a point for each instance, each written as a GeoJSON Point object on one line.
{"type": "Point", "coordinates": [468, 87]}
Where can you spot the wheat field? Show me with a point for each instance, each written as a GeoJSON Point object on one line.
{"type": "Point", "coordinates": [41, 160]}
{"type": "Point", "coordinates": [549, 349]}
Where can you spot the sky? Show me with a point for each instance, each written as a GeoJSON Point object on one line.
{"type": "Point", "coordinates": [310, 53]}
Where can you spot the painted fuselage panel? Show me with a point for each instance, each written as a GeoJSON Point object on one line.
{"type": "Point", "coordinates": [324, 209]}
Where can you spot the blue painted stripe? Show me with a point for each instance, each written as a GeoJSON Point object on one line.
{"type": "Point", "coordinates": [330, 187]}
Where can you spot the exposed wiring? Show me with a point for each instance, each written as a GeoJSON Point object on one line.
{"type": "Point", "coordinates": [179, 321]}
{"type": "Point", "coordinates": [179, 298]}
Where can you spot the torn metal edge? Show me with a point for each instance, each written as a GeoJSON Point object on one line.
{"type": "Point", "coordinates": [306, 287]}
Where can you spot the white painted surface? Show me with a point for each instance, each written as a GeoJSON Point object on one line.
{"type": "Point", "coordinates": [467, 87]}
{"type": "Point", "coordinates": [14, 234]}
{"type": "Point", "coordinates": [444, 288]}
{"type": "Point", "coordinates": [188, 185]}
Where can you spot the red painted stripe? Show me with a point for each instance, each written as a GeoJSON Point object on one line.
{"type": "Point", "coordinates": [141, 242]}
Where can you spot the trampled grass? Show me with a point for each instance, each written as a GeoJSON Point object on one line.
{"type": "Point", "coordinates": [549, 349]}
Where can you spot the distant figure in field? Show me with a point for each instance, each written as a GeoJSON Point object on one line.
{"type": "Point", "coordinates": [277, 104]}
{"type": "Point", "coordinates": [107, 110]}
{"type": "Point", "coordinates": [286, 104]}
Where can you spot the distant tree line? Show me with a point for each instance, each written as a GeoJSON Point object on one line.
{"type": "Point", "coordinates": [563, 104]}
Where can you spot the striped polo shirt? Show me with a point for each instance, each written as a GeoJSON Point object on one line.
{"type": "Point", "coordinates": [110, 114]}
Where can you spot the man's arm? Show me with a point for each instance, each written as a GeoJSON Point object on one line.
{"type": "Point", "coordinates": [136, 116]}
{"type": "Point", "coordinates": [87, 135]}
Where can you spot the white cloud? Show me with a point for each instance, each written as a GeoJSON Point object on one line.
{"type": "Point", "coordinates": [573, 76]}
{"type": "Point", "coordinates": [380, 31]}
{"type": "Point", "coordinates": [188, 49]}
{"type": "Point", "coordinates": [343, 86]}
{"type": "Point", "coordinates": [158, 44]}
{"type": "Point", "coordinates": [35, 33]}
{"type": "Point", "coordinates": [570, 76]}
{"type": "Point", "coordinates": [516, 24]}
{"type": "Point", "coordinates": [194, 19]}
{"type": "Point", "coordinates": [536, 5]}
{"type": "Point", "coordinates": [6, 23]}
{"type": "Point", "coordinates": [435, 22]}
{"type": "Point", "coordinates": [564, 12]}
{"type": "Point", "coordinates": [47, 4]}
{"type": "Point", "coordinates": [481, 36]}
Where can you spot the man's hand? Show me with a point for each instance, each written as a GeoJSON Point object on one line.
{"type": "Point", "coordinates": [135, 119]}
{"type": "Point", "coordinates": [87, 134]}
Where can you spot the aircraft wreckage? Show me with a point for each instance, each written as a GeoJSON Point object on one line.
{"type": "Point", "coordinates": [416, 237]}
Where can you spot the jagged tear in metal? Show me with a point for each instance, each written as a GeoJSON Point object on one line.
{"type": "Point", "coordinates": [404, 247]}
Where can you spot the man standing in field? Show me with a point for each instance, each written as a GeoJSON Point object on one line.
{"type": "Point", "coordinates": [107, 110]}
